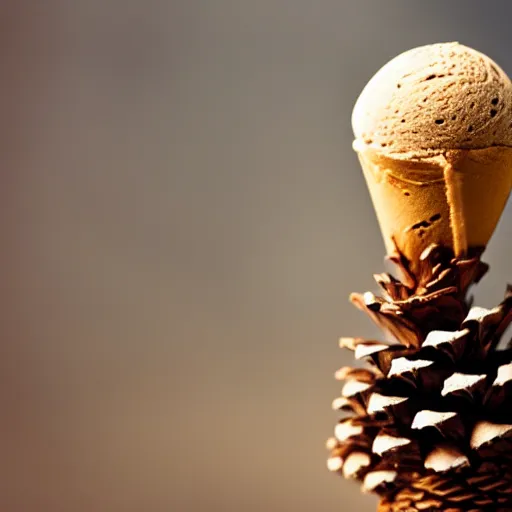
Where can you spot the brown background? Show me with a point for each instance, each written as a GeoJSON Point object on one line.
{"type": "Point", "coordinates": [183, 219]}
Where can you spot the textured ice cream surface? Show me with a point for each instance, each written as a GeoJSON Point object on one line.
{"type": "Point", "coordinates": [432, 99]}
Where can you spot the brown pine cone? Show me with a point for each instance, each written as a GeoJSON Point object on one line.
{"type": "Point", "coordinates": [429, 423]}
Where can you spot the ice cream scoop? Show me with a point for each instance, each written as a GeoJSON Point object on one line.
{"type": "Point", "coordinates": [433, 98]}
{"type": "Point", "coordinates": [433, 132]}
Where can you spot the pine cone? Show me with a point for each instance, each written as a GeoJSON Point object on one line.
{"type": "Point", "coordinates": [429, 423]}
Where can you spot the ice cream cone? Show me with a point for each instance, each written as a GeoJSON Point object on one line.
{"type": "Point", "coordinates": [433, 131]}
{"type": "Point", "coordinates": [453, 199]}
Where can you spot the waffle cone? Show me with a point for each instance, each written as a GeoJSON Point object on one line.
{"type": "Point", "coordinates": [454, 199]}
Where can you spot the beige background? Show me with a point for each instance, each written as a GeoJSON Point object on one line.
{"type": "Point", "coordinates": [183, 220]}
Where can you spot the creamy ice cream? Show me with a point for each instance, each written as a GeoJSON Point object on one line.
{"type": "Point", "coordinates": [434, 98]}
{"type": "Point", "coordinates": [433, 131]}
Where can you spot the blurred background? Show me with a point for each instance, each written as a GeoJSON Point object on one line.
{"type": "Point", "coordinates": [183, 220]}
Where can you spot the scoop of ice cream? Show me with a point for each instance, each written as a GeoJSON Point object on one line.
{"type": "Point", "coordinates": [435, 98]}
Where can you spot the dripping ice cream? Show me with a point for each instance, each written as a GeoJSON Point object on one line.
{"type": "Point", "coordinates": [433, 132]}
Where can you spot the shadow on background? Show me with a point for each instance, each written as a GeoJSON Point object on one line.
{"type": "Point", "coordinates": [184, 219]}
